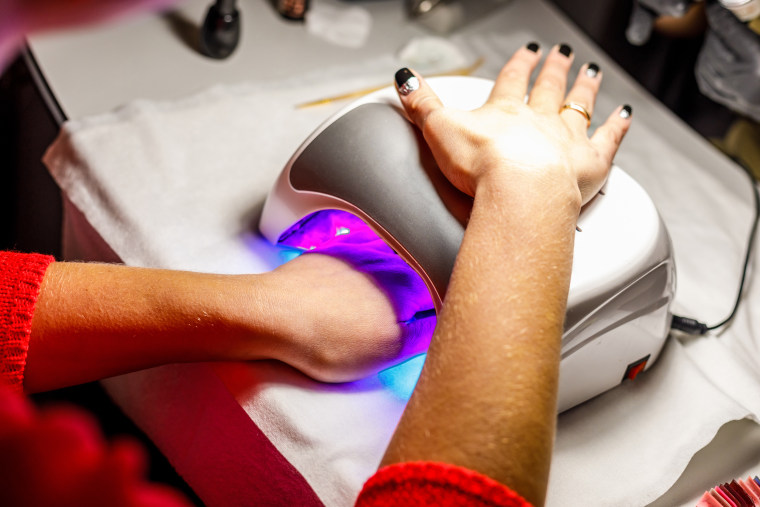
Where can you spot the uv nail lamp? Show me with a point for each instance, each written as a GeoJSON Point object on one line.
{"type": "Point", "coordinates": [369, 160]}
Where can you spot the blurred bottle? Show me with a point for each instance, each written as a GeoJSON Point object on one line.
{"type": "Point", "coordinates": [446, 16]}
{"type": "Point", "coordinates": [292, 9]}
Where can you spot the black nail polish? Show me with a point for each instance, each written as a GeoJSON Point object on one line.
{"type": "Point", "coordinates": [592, 70]}
{"type": "Point", "coordinates": [403, 75]}
{"type": "Point", "coordinates": [565, 50]}
{"type": "Point", "coordinates": [406, 82]}
{"type": "Point", "coordinates": [533, 46]}
{"type": "Point", "coordinates": [626, 112]}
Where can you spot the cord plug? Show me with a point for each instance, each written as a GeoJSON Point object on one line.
{"type": "Point", "coordinates": [687, 325]}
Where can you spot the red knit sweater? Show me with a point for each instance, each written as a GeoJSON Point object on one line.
{"type": "Point", "coordinates": [20, 279]}
{"type": "Point", "coordinates": [59, 457]}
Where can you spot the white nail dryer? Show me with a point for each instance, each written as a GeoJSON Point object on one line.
{"type": "Point", "coordinates": [369, 160]}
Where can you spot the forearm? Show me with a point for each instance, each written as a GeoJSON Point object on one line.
{"type": "Point", "coordinates": [495, 356]}
{"type": "Point", "coordinates": [93, 321]}
{"type": "Point", "coordinates": [96, 320]}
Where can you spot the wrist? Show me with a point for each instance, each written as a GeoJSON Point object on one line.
{"type": "Point", "coordinates": [251, 308]}
{"type": "Point", "coordinates": [527, 192]}
{"type": "Point", "coordinates": [292, 308]}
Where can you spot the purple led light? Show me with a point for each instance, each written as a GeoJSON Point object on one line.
{"type": "Point", "coordinates": [320, 228]}
{"type": "Point", "coordinates": [345, 236]}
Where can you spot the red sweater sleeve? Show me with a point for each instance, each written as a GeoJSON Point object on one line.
{"type": "Point", "coordinates": [20, 279]}
{"type": "Point", "coordinates": [440, 484]}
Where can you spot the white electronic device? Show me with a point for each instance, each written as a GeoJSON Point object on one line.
{"type": "Point", "coordinates": [369, 160]}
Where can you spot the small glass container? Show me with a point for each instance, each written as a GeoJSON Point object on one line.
{"type": "Point", "coordinates": [292, 9]}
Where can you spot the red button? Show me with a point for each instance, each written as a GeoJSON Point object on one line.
{"type": "Point", "coordinates": [635, 368]}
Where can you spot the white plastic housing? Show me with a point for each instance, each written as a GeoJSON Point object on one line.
{"type": "Point", "coordinates": [623, 276]}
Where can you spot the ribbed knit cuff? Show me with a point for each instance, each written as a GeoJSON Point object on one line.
{"type": "Point", "coordinates": [440, 484]}
{"type": "Point", "coordinates": [20, 279]}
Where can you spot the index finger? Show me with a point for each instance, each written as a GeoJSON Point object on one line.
{"type": "Point", "coordinates": [512, 82]}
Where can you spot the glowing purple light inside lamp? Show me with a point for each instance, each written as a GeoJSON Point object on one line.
{"type": "Point", "coordinates": [321, 228]}
{"type": "Point", "coordinates": [345, 236]}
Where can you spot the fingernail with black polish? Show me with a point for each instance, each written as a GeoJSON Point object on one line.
{"type": "Point", "coordinates": [406, 82]}
{"type": "Point", "coordinates": [565, 50]}
{"type": "Point", "coordinates": [626, 112]}
{"type": "Point", "coordinates": [592, 70]}
{"type": "Point", "coordinates": [533, 46]}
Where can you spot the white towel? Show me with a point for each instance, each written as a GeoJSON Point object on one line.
{"type": "Point", "coordinates": [178, 185]}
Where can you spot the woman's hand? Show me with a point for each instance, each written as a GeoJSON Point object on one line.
{"type": "Point", "coordinates": [509, 137]}
{"type": "Point", "coordinates": [487, 396]}
{"type": "Point", "coordinates": [317, 313]}
{"type": "Point", "coordinates": [342, 322]}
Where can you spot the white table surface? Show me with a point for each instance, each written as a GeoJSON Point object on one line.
{"type": "Point", "coordinates": [96, 69]}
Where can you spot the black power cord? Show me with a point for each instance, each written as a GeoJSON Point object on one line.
{"type": "Point", "coordinates": [695, 327]}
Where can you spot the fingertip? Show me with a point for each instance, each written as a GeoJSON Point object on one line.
{"type": "Point", "coordinates": [565, 50]}
{"type": "Point", "coordinates": [417, 98]}
{"type": "Point", "coordinates": [406, 81]}
{"type": "Point", "coordinates": [533, 49]}
{"type": "Point", "coordinates": [626, 112]}
{"type": "Point", "coordinates": [530, 53]}
{"type": "Point", "coordinates": [591, 70]}
{"type": "Point", "coordinates": [621, 118]}
{"type": "Point", "coordinates": [609, 136]}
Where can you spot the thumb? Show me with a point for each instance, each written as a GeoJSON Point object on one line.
{"type": "Point", "coordinates": [416, 96]}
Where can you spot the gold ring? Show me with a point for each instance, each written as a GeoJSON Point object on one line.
{"type": "Point", "coordinates": [577, 107]}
